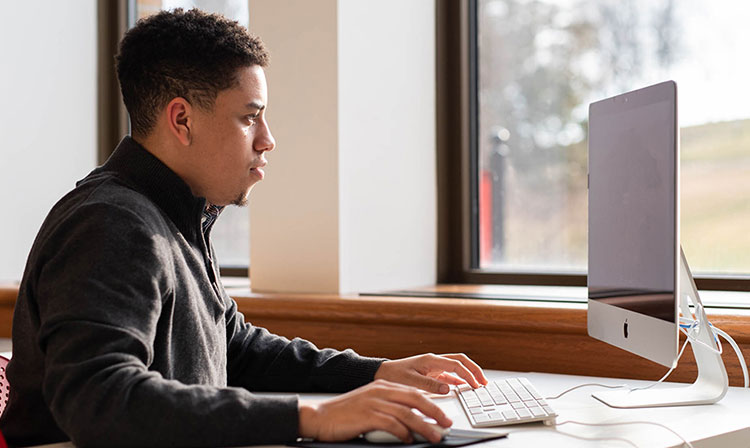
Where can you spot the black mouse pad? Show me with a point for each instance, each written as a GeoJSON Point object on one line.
{"type": "Point", "coordinates": [360, 442]}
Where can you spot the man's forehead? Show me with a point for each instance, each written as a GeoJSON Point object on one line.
{"type": "Point", "coordinates": [251, 88]}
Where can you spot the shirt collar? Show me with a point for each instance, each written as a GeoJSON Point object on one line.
{"type": "Point", "coordinates": [210, 213]}
{"type": "Point", "coordinates": [144, 172]}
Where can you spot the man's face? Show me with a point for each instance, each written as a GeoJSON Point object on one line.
{"type": "Point", "coordinates": [228, 142]}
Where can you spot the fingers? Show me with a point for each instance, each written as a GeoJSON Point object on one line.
{"type": "Point", "coordinates": [412, 398]}
{"type": "Point", "coordinates": [381, 405]}
{"type": "Point", "coordinates": [447, 378]}
{"type": "Point", "coordinates": [470, 365]}
{"type": "Point", "coordinates": [387, 422]}
{"type": "Point", "coordinates": [434, 385]}
{"type": "Point", "coordinates": [448, 364]}
{"type": "Point", "coordinates": [406, 418]}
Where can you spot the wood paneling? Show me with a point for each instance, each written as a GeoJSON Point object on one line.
{"type": "Point", "coordinates": [8, 294]}
{"type": "Point", "coordinates": [497, 334]}
{"type": "Point", "coordinates": [518, 336]}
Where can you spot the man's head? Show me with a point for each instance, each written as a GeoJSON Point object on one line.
{"type": "Point", "coordinates": [195, 90]}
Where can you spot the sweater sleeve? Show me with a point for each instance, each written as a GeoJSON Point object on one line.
{"type": "Point", "coordinates": [98, 321]}
{"type": "Point", "coordinates": [261, 361]}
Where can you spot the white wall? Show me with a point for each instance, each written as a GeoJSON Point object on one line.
{"type": "Point", "coordinates": [387, 172]}
{"type": "Point", "coordinates": [294, 243]}
{"type": "Point", "coordinates": [47, 115]}
{"type": "Point", "coordinates": [349, 200]}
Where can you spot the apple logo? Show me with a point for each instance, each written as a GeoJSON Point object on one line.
{"type": "Point", "coordinates": [625, 329]}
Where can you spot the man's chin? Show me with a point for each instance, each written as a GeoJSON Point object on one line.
{"type": "Point", "coordinates": [242, 199]}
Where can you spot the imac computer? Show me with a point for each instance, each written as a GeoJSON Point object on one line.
{"type": "Point", "coordinates": [639, 283]}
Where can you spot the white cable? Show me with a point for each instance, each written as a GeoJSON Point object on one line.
{"type": "Point", "coordinates": [695, 327]}
{"type": "Point", "coordinates": [584, 385]}
{"type": "Point", "coordinates": [598, 439]}
{"type": "Point", "coordinates": [684, 440]}
{"type": "Point", "coordinates": [716, 331]}
{"type": "Point", "coordinates": [682, 350]}
{"type": "Point", "coordinates": [669, 372]}
{"type": "Point", "coordinates": [621, 385]}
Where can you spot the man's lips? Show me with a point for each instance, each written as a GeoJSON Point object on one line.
{"type": "Point", "coordinates": [258, 169]}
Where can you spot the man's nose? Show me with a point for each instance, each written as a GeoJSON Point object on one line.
{"type": "Point", "coordinates": [264, 140]}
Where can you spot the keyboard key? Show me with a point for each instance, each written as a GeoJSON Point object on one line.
{"type": "Point", "coordinates": [481, 418]}
{"type": "Point", "coordinates": [524, 394]}
{"type": "Point", "coordinates": [510, 415]}
{"type": "Point", "coordinates": [523, 413]}
{"type": "Point", "coordinates": [519, 389]}
{"type": "Point", "coordinates": [530, 388]}
{"type": "Point", "coordinates": [463, 387]}
{"type": "Point", "coordinates": [469, 394]}
{"type": "Point", "coordinates": [505, 407]}
{"type": "Point", "coordinates": [536, 411]}
{"type": "Point", "coordinates": [495, 416]}
{"type": "Point", "coordinates": [482, 392]}
{"type": "Point", "coordinates": [484, 397]}
{"type": "Point", "coordinates": [502, 402]}
{"type": "Point", "coordinates": [499, 399]}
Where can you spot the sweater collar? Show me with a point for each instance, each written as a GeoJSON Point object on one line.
{"type": "Point", "coordinates": [147, 174]}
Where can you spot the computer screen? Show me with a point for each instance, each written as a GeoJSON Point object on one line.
{"type": "Point", "coordinates": [634, 222]}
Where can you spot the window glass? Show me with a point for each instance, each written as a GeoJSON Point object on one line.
{"type": "Point", "coordinates": [231, 233]}
{"type": "Point", "coordinates": [541, 62]}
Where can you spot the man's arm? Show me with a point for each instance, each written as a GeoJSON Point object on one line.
{"type": "Point", "coordinates": [99, 296]}
{"type": "Point", "coordinates": [261, 361]}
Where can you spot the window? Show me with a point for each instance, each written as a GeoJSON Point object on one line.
{"type": "Point", "coordinates": [230, 235]}
{"type": "Point", "coordinates": [539, 63]}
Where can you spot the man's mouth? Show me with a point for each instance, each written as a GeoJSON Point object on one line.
{"type": "Point", "coordinates": [258, 170]}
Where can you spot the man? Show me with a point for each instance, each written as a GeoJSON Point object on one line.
{"type": "Point", "coordinates": [123, 334]}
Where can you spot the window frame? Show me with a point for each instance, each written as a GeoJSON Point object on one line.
{"type": "Point", "coordinates": [457, 113]}
{"type": "Point", "coordinates": [112, 22]}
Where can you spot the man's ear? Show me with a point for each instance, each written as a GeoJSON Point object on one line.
{"type": "Point", "coordinates": [180, 120]}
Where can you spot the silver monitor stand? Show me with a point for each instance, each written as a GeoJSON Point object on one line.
{"type": "Point", "coordinates": [712, 382]}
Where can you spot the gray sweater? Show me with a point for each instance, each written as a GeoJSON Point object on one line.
{"type": "Point", "coordinates": [124, 336]}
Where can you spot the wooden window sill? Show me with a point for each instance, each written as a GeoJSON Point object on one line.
{"type": "Point", "coordinates": [498, 334]}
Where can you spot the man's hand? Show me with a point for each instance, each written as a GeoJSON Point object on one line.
{"type": "Point", "coordinates": [432, 372]}
{"type": "Point", "coordinates": [378, 405]}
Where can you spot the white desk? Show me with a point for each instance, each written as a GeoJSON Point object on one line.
{"type": "Point", "coordinates": [725, 424]}
{"type": "Point", "coordinates": [722, 425]}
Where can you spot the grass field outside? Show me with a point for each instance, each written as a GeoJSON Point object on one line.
{"type": "Point", "coordinates": [546, 226]}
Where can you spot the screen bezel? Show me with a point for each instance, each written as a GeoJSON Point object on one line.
{"type": "Point", "coordinates": [649, 337]}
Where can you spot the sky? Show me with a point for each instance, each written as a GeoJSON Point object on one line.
{"type": "Point", "coordinates": [712, 70]}
{"type": "Point", "coordinates": [714, 77]}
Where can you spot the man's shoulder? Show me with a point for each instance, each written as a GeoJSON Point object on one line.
{"type": "Point", "coordinates": [105, 194]}
{"type": "Point", "coordinates": [104, 206]}
{"type": "Point", "coordinates": [103, 222]}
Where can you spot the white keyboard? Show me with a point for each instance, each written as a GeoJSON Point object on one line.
{"type": "Point", "coordinates": [504, 402]}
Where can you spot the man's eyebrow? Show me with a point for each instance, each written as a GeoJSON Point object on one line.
{"type": "Point", "coordinates": [255, 105]}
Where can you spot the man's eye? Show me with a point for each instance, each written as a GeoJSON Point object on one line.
{"type": "Point", "coordinates": [251, 119]}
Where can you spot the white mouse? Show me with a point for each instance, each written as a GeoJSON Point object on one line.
{"type": "Point", "coordinates": [380, 436]}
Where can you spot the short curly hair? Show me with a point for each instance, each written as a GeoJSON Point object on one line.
{"type": "Point", "coordinates": [189, 54]}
